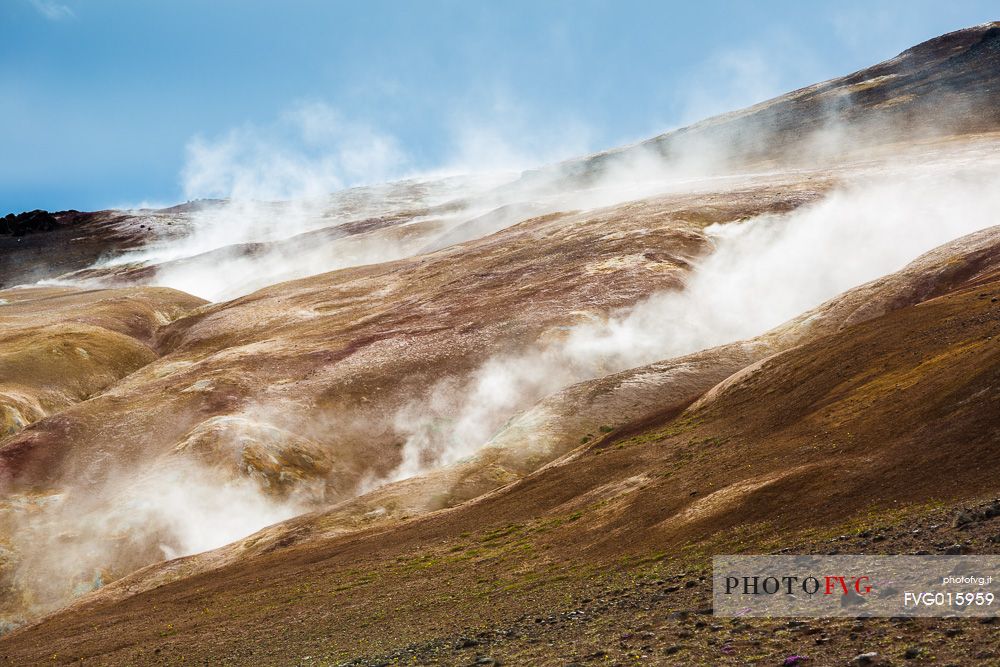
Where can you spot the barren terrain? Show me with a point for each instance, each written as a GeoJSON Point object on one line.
{"type": "Point", "coordinates": [510, 420]}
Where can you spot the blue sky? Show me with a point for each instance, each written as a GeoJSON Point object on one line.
{"type": "Point", "coordinates": [116, 102]}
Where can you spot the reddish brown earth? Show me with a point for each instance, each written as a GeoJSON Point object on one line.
{"type": "Point", "coordinates": [581, 527]}
{"type": "Point", "coordinates": [643, 501]}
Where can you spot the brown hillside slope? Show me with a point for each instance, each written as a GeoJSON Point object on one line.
{"type": "Point", "coordinates": [296, 388]}
{"type": "Point", "coordinates": [633, 400]}
{"type": "Point", "coordinates": [60, 346]}
{"type": "Point", "coordinates": [329, 345]}
{"type": "Point", "coordinates": [300, 388]}
{"type": "Point", "coordinates": [827, 424]}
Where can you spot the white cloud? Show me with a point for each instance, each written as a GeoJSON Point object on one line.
{"type": "Point", "coordinates": [53, 11]}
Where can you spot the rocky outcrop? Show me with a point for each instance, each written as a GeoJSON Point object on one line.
{"type": "Point", "coordinates": [28, 222]}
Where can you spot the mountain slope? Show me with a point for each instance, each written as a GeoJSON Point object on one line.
{"type": "Point", "coordinates": [61, 346]}
{"type": "Point", "coordinates": [916, 385]}
{"type": "Point", "coordinates": [517, 402]}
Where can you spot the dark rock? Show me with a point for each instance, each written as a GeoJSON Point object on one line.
{"type": "Point", "coordinates": [963, 518]}
{"type": "Point", "coordinates": [912, 653]}
{"type": "Point", "coordinates": [993, 509]}
{"type": "Point", "coordinates": [28, 222]}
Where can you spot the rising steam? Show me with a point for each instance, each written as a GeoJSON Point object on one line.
{"type": "Point", "coordinates": [277, 222]}
{"type": "Point", "coordinates": [763, 272]}
{"type": "Point", "coordinates": [74, 541]}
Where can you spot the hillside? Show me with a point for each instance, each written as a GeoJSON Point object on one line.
{"type": "Point", "coordinates": [509, 420]}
